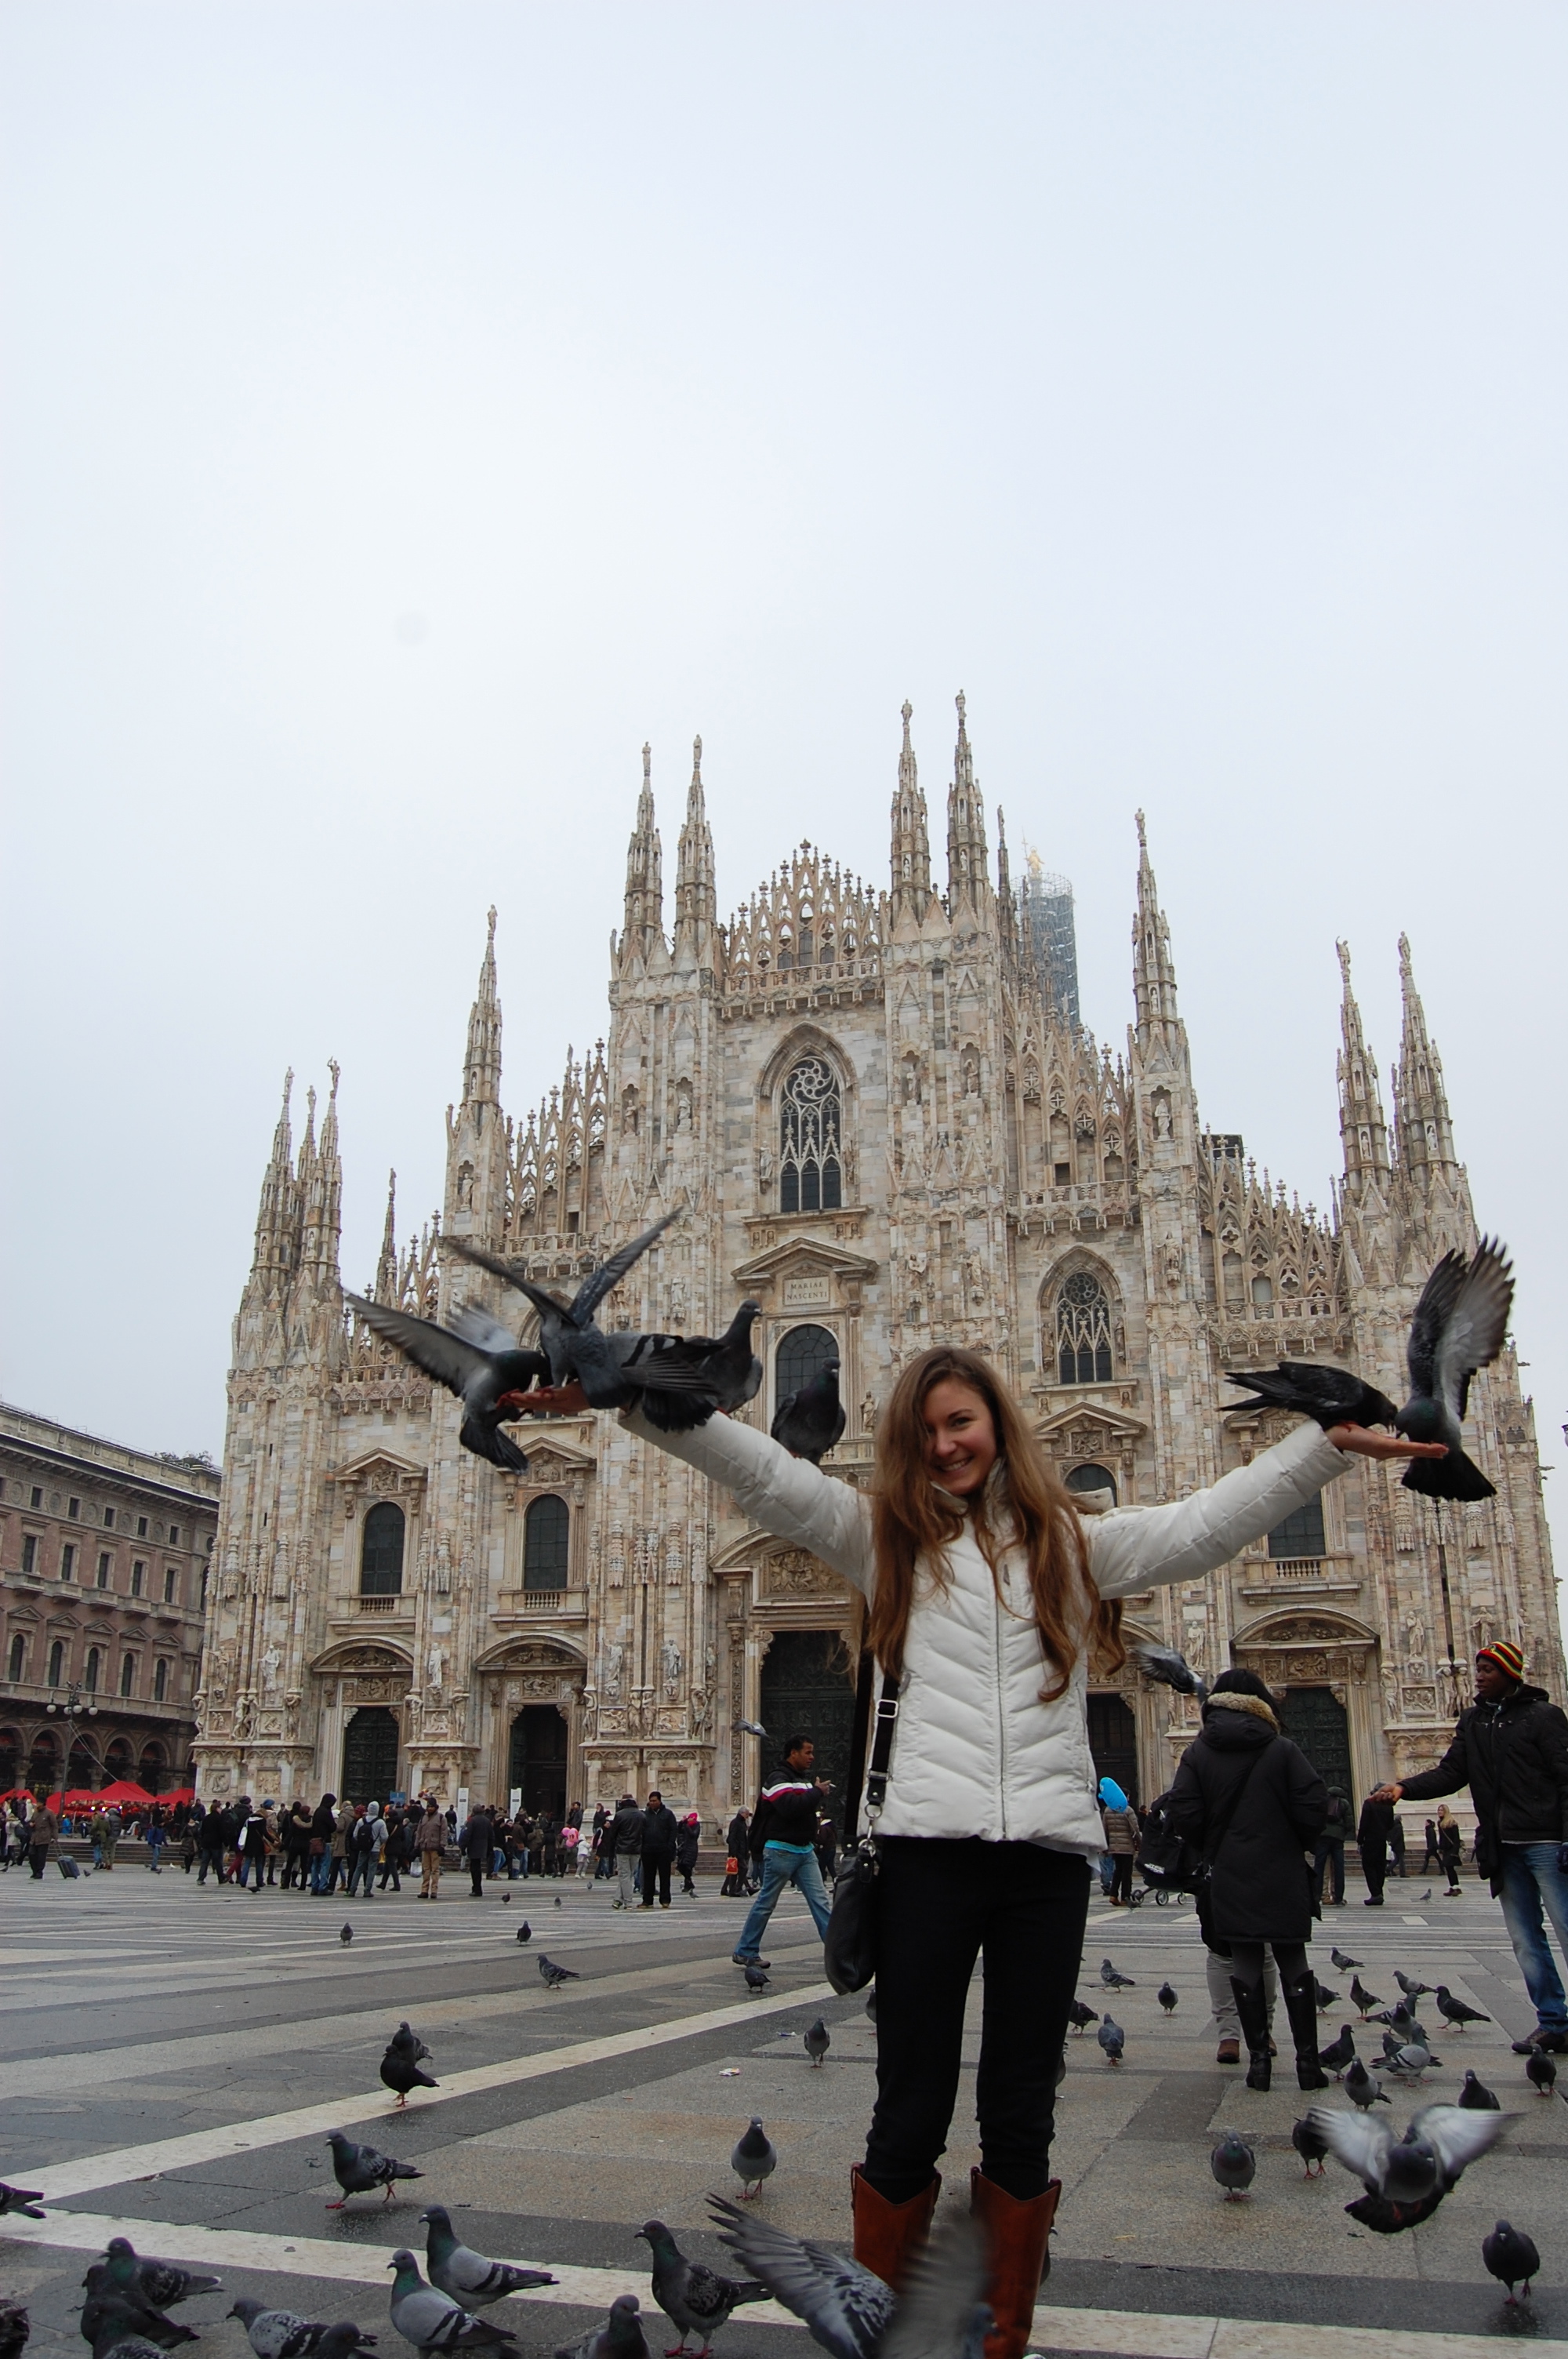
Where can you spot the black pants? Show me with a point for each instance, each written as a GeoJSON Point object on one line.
{"type": "Point", "coordinates": [939, 1903]}
{"type": "Point", "coordinates": [476, 1870]}
{"type": "Point", "coordinates": [1375, 1866]}
{"type": "Point", "coordinates": [1247, 1961]}
{"type": "Point", "coordinates": [1330, 1855]}
{"type": "Point", "coordinates": [1121, 1876]}
{"type": "Point", "coordinates": [657, 1866]}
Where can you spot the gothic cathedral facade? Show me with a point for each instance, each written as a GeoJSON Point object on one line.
{"type": "Point", "coordinates": [867, 1117]}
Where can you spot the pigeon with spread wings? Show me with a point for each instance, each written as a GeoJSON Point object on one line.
{"type": "Point", "coordinates": [477, 1358]}
{"type": "Point", "coordinates": [1459, 1326]}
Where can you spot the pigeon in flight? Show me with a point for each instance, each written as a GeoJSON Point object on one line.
{"type": "Point", "coordinates": [1310, 2147]}
{"type": "Point", "coordinates": [1339, 2053]}
{"type": "Point", "coordinates": [1440, 2144]}
{"type": "Point", "coordinates": [1360, 2087]}
{"type": "Point", "coordinates": [122, 2271]}
{"type": "Point", "coordinates": [810, 1422]}
{"type": "Point", "coordinates": [1112, 2039]}
{"type": "Point", "coordinates": [1167, 1998]}
{"type": "Point", "coordinates": [400, 2065]}
{"type": "Point", "coordinates": [20, 2199]}
{"type": "Point", "coordinates": [282, 2335]}
{"type": "Point", "coordinates": [1173, 1670]}
{"type": "Point", "coordinates": [1346, 1965]}
{"type": "Point", "coordinates": [431, 2319]}
{"type": "Point", "coordinates": [939, 2312]}
{"type": "Point", "coordinates": [1328, 1396]}
{"type": "Point", "coordinates": [15, 2327]}
{"type": "Point", "coordinates": [1454, 2010]}
{"type": "Point", "coordinates": [1540, 2072]}
{"type": "Point", "coordinates": [1365, 2000]}
{"type": "Point", "coordinates": [818, 2041]}
{"type": "Point", "coordinates": [1112, 1979]}
{"type": "Point", "coordinates": [360, 2169]}
{"type": "Point", "coordinates": [754, 2158]}
{"type": "Point", "coordinates": [1080, 2016]}
{"type": "Point", "coordinates": [748, 1728]}
{"type": "Point", "coordinates": [1234, 2164]}
{"type": "Point", "coordinates": [477, 1358]}
{"type": "Point", "coordinates": [1459, 1326]}
{"type": "Point", "coordinates": [553, 1976]}
{"type": "Point", "coordinates": [622, 2337]}
{"type": "Point", "coordinates": [472, 2282]}
{"type": "Point", "coordinates": [1476, 2098]}
{"type": "Point", "coordinates": [691, 2295]}
{"type": "Point", "coordinates": [1511, 2257]}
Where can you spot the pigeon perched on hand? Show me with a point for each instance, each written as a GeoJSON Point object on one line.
{"type": "Point", "coordinates": [1328, 1396]}
{"type": "Point", "coordinates": [159, 2283]}
{"type": "Point", "coordinates": [20, 2199]}
{"type": "Point", "coordinates": [1112, 1980]}
{"type": "Point", "coordinates": [710, 1370]}
{"type": "Point", "coordinates": [1112, 2040]}
{"type": "Point", "coordinates": [622, 2337]}
{"type": "Point", "coordinates": [1440, 2144]}
{"type": "Point", "coordinates": [1080, 2016]}
{"type": "Point", "coordinates": [360, 2169]}
{"type": "Point", "coordinates": [810, 1422]}
{"type": "Point", "coordinates": [430, 2319]}
{"type": "Point", "coordinates": [1459, 1326]}
{"type": "Point", "coordinates": [1167, 1998]}
{"type": "Point", "coordinates": [282, 2335]}
{"type": "Point", "coordinates": [754, 2156]}
{"type": "Point", "coordinates": [691, 2295]}
{"type": "Point", "coordinates": [552, 1975]}
{"type": "Point", "coordinates": [1173, 1670]}
{"type": "Point", "coordinates": [1360, 2087]}
{"type": "Point", "coordinates": [472, 2281]}
{"type": "Point", "coordinates": [1346, 1965]}
{"type": "Point", "coordinates": [818, 2041]}
{"type": "Point", "coordinates": [1310, 2147]}
{"type": "Point", "coordinates": [1476, 2098]}
{"type": "Point", "coordinates": [1234, 2164]}
{"type": "Point", "coordinates": [477, 1358]}
{"type": "Point", "coordinates": [1454, 2010]}
{"type": "Point", "coordinates": [1365, 2000]}
{"type": "Point", "coordinates": [939, 2312]}
{"type": "Point", "coordinates": [400, 2065]}
{"type": "Point", "coordinates": [1511, 2257]}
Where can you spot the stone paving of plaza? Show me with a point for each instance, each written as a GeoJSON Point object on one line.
{"type": "Point", "coordinates": [173, 2056]}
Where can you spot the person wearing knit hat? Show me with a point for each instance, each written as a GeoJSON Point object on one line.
{"type": "Point", "coordinates": [1512, 1749]}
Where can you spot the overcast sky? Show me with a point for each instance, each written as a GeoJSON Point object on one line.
{"type": "Point", "coordinates": [409, 410]}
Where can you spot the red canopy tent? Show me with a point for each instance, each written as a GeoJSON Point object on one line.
{"type": "Point", "coordinates": [185, 1794]}
{"type": "Point", "coordinates": [123, 1793]}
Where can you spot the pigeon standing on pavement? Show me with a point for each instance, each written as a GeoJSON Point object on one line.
{"type": "Point", "coordinates": [1476, 2098]}
{"type": "Point", "coordinates": [1412, 1989]}
{"type": "Point", "coordinates": [360, 2169]}
{"type": "Point", "coordinates": [117, 2332]}
{"type": "Point", "coordinates": [553, 1976]}
{"type": "Point", "coordinates": [24, 2200]}
{"type": "Point", "coordinates": [111, 2302]}
{"type": "Point", "coordinates": [756, 1976]}
{"type": "Point", "coordinates": [1310, 2146]}
{"type": "Point", "coordinates": [1234, 2164]}
{"type": "Point", "coordinates": [1454, 2010]}
{"type": "Point", "coordinates": [1360, 2087]}
{"type": "Point", "coordinates": [1540, 2072]}
{"type": "Point", "coordinates": [400, 2065]}
{"type": "Point", "coordinates": [472, 2281]}
{"type": "Point", "coordinates": [346, 1934]}
{"type": "Point", "coordinates": [1325, 1997]}
{"type": "Point", "coordinates": [818, 2041]}
{"type": "Point", "coordinates": [754, 2158]}
{"type": "Point", "coordinates": [122, 2271]}
{"type": "Point", "coordinates": [622, 2336]}
{"type": "Point", "coordinates": [15, 2327]}
{"type": "Point", "coordinates": [810, 1422]}
{"type": "Point", "coordinates": [1112, 2039]}
{"type": "Point", "coordinates": [1339, 2052]}
{"type": "Point", "coordinates": [691, 2295]}
{"type": "Point", "coordinates": [283, 2334]}
{"type": "Point", "coordinates": [431, 2319]}
{"type": "Point", "coordinates": [1167, 1998]}
{"type": "Point", "coordinates": [524, 1932]}
{"type": "Point", "coordinates": [1346, 1965]}
{"type": "Point", "coordinates": [1080, 2016]}
{"type": "Point", "coordinates": [1511, 2257]}
{"type": "Point", "coordinates": [1328, 1396]}
{"type": "Point", "coordinates": [477, 1358]}
{"type": "Point", "coordinates": [1365, 2000]}
{"type": "Point", "coordinates": [1112, 1979]}
{"type": "Point", "coordinates": [1459, 1326]}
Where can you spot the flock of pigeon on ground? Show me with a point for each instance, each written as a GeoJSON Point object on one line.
{"type": "Point", "coordinates": [678, 1382]}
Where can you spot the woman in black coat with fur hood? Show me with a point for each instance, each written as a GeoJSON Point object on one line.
{"type": "Point", "coordinates": [1250, 1801]}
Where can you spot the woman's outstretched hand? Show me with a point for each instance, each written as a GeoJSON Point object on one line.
{"type": "Point", "coordinates": [547, 1400]}
{"type": "Point", "coordinates": [1362, 1442]}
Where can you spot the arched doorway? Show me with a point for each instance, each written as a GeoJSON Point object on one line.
{"type": "Point", "coordinates": [1113, 1742]}
{"type": "Point", "coordinates": [807, 1692]}
{"type": "Point", "coordinates": [43, 1764]}
{"type": "Point", "coordinates": [151, 1774]}
{"type": "Point", "coordinates": [370, 1754]}
{"type": "Point", "coordinates": [118, 1763]}
{"type": "Point", "coordinates": [1315, 1718]}
{"type": "Point", "coordinates": [538, 1760]}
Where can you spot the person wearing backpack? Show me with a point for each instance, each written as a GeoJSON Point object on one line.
{"type": "Point", "coordinates": [1252, 1804]}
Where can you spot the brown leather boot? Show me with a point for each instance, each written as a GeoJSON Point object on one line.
{"type": "Point", "coordinates": [887, 2234]}
{"type": "Point", "coordinates": [1018, 2235]}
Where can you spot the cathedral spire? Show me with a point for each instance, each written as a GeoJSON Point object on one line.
{"type": "Point", "coordinates": [696, 900]}
{"type": "Point", "coordinates": [645, 874]}
{"type": "Point", "coordinates": [1006, 901]}
{"type": "Point", "coordinates": [1421, 1101]}
{"type": "Point", "coordinates": [911, 846]}
{"type": "Point", "coordinates": [273, 1258]}
{"type": "Point", "coordinates": [322, 1195]}
{"type": "Point", "coordinates": [966, 862]}
{"type": "Point", "coordinates": [1153, 974]}
{"type": "Point", "coordinates": [482, 1061]}
{"type": "Point", "coordinates": [385, 1288]}
{"type": "Point", "coordinates": [1361, 1124]}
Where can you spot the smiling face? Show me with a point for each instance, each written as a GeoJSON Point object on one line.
{"type": "Point", "coordinates": [959, 1437]}
{"type": "Point", "coordinates": [1492, 1682]}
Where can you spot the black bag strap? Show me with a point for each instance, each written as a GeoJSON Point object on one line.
{"type": "Point", "coordinates": [875, 1778]}
{"type": "Point", "coordinates": [1221, 1826]}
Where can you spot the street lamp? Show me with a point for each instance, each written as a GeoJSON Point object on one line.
{"type": "Point", "coordinates": [73, 1707]}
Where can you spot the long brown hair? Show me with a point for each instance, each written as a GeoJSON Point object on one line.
{"type": "Point", "coordinates": [913, 1518]}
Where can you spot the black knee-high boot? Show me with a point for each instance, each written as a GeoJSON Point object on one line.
{"type": "Point", "coordinates": [1252, 2009]}
{"type": "Point", "coordinates": [1300, 2005]}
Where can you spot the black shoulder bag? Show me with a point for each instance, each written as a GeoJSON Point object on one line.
{"type": "Point", "coordinates": [1203, 1878]}
{"type": "Point", "coordinates": [849, 1950]}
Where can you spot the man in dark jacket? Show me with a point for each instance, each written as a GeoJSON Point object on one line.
{"type": "Point", "coordinates": [783, 1837]}
{"type": "Point", "coordinates": [1512, 1749]}
{"type": "Point", "coordinates": [218, 1831]}
{"type": "Point", "coordinates": [1373, 1828]}
{"type": "Point", "coordinates": [624, 1841]}
{"type": "Point", "coordinates": [479, 1843]}
{"type": "Point", "coordinates": [660, 1834]}
{"type": "Point", "coordinates": [1330, 1851]}
{"type": "Point", "coordinates": [738, 1843]}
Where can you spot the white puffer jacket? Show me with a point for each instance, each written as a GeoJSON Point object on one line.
{"type": "Point", "coordinates": [975, 1751]}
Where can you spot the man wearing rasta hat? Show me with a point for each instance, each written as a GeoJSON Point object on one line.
{"type": "Point", "coordinates": [1512, 1749]}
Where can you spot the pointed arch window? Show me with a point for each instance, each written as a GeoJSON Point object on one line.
{"type": "Point", "coordinates": [1083, 1330]}
{"type": "Point", "coordinates": [811, 1170]}
{"type": "Point", "coordinates": [381, 1552]}
{"type": "Point", "coordinates": [546, 1543]}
